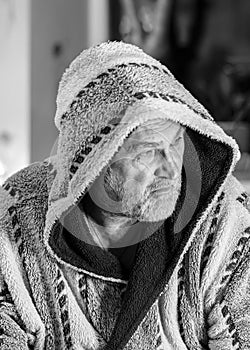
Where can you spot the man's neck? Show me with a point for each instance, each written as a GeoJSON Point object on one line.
{"type": "Point", "coordinates": [112, 227]}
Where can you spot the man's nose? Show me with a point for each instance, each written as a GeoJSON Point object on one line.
{"type": "Point", "coordinates": [166, 168]}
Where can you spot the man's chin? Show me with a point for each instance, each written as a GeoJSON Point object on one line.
{"type": "Point", "coordinates": [158, 206]}
{"type": "Point", "coordinates": [155, 217]}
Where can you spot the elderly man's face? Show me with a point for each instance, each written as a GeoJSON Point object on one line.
{"type": "Point", "coordinates": [145, 173]}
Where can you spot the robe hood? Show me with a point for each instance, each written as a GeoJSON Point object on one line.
{"type": "Point", "coordinates": [106, 93]}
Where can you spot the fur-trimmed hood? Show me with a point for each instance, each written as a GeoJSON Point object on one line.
{"type": "Point", "coordinates": [108, 91]}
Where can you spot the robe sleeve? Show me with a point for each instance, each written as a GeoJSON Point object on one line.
{"type": "Point", "coordinates": [229, 318]}
{"type": "Point", "coordinates": [12, 331]}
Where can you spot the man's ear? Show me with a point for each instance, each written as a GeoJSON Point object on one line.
{"type": "Point", "coordinates": [109, 185]}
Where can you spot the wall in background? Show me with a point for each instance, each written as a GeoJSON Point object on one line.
{"type": "Point", "coordinates": [58, 33]}
{"type": "Point", "coordinates": [15, 85]}
{"type": "Point", "coordinates": [98, 21]}
{"type": "Point", "coordinates": [38, 40]}
{"type": "Point", "coordinates": [60, 30]}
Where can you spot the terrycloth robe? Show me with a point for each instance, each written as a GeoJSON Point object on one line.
{"type": "Point", "coordinates": [189, 283]}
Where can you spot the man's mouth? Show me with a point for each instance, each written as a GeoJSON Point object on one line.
{"type": "Point", "coordinates": [161, 190]}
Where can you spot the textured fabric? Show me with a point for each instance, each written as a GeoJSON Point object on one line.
{"type": "Point", "coordinates": [188, 286]}
{"type": "Point", "coordinates": [124, 255]}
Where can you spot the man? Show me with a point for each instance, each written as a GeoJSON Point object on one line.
{"type": "Point", "coordinates": [135, 235]}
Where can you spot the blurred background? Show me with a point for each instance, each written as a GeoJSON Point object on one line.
{"type": "Point", "coordinates": [205, 43]}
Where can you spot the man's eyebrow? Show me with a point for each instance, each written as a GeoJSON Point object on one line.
{"type": "Point", "coordinates": [139, 144]}
{"type": "Point", "coordinates": [135, 146]}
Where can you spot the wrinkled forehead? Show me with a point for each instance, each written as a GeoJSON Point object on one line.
{"type": "Point", "coordinates": [158, 127]}
{"type": "Point", "coordinates": [157, 130]}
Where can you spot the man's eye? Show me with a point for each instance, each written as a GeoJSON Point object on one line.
{"type": "Point", "coordinates": [177, 140]}
{"type": "Point", "coordinates": [145, 157]}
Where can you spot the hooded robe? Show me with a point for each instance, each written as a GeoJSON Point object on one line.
{"type": "Point", "coordinates": [184, 281]}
